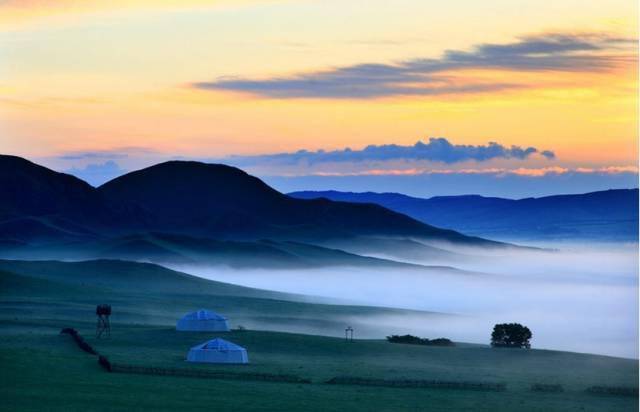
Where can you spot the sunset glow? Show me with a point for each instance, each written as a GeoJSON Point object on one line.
{"type": "Point", "coordinates": [199, 79]}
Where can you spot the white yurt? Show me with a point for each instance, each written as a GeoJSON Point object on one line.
{"type": "Point", "coordinates": [218, 351]}
{"type": "Point", "coordinates": [203, 321]}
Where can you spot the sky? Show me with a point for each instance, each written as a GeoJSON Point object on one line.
{"type": "Point", "coordinates": [513, 98]}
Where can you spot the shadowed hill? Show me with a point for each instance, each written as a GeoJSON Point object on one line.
{"type": "Point", "coordinates": [189, 198]}
{"type": "Point", "coordinates": [222, 201]}
{"type": "Point", "coordinates": [610, 214]}
{"type": "Point", "coordinates": [144, 291]}
{"type": "Point", "coordinates": [39, 204]}
{"type": "Point", "coordinates": [173, 249]}
{"type": "Point", "coordinates": [121, 275]}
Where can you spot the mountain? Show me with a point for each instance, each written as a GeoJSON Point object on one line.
{"type": "Point", "coordinates": [205, 207]}
{"type": "Point", "coordinates": [40, 205]}
{"type": "Point", "coordinates": [224, 202]}
{"type": "Point", "coordinates": [604, 215]}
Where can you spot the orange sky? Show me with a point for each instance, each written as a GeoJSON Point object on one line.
{"type": "Point", "coordinates": [86, 76]}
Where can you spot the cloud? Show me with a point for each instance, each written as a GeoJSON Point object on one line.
{"type": "Point", "coordinates": [587, 52]}
{"type": "Point", "coordinates": [119, 153]}
{"type": "Point", "coordinates": [436, 150]}
{"type": "Point", "coordinates": [548, 154]}
{"type": "Point", "coordinates": [97, 173]}
{"type": "Point", "coordinates": [495, 171]}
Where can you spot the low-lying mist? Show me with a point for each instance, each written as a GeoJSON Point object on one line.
{"type": "Point", "coordinates": [581, 298]}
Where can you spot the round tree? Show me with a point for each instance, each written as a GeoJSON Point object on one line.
{"type": "Point", "coordinates": [510, 335]}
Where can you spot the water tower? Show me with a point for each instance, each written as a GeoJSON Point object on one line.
{"type": "Point", "coordinates": [103, 312]}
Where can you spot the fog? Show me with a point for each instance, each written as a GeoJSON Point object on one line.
{"type": "Point", "coordinates": [577, 298]}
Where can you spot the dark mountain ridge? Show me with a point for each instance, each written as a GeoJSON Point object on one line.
{"type": "Point", "coordinates": [188, 198]}
{"type": "Point", "coordinates": [39, 204]}
{"type": "Point", "coordinates": [223, 201]}
{"type": "Point", "coordinates": [606, 215]}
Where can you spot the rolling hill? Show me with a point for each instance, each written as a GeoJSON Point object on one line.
{"type": "Point", "coordinates": [172, 249]}
{"type": "Point", "coordinates": [225, 202]}
{"type": "Point", "coordinates": [40, 205]}
{"type": "Point", "coordinates": [157, 295]}
{"type": "Point", "coordinates": [605, 215]}
{"type": "Point", "coordinates": [187, 198]}
{"type": "Point", "coordinates": [40, 366]}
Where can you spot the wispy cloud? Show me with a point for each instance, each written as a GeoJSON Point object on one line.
{"type": "Point", "coordinates": [587, 52]}
{"type": "Point", "coordinates": [118, 153]}
{"type": "Point", "coordinates": [495, 171]}
{"type": "Point", "coordinates": [435, 150]}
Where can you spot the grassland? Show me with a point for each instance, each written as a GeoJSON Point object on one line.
{"type": "Point", "coordinates": [43, 370]}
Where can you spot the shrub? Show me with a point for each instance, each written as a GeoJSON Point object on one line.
{"type": "Point", "coordinates": [441, 342]}
{"type": "Point", "coordinates": [414, 340]}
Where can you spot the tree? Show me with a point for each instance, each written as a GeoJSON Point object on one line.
{"type": "Point", "coordinates": [510, 335]}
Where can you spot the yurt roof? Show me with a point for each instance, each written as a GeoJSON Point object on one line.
{"type": "Point", "coordinates": [203, 314]}
{"type": "Point", "coordinates": [218, 344]}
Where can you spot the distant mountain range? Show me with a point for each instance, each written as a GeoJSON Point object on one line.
{"type": "Point", "coordinates": [605, 215]}
{"type": "Point", "coordinates": [189, 211]}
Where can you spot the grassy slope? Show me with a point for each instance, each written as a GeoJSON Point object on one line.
{"type": "Point", "coordinates": [40, 367]}
{"type": "Point", "coordinates": [167, 249]}
{"type": "Point", "coordinates": [148, 293]}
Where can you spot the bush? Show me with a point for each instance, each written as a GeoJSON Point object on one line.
{"type": "Point", "coordinates": [510, 335]}
{"type": "Point", "coordinates": [414, 340]}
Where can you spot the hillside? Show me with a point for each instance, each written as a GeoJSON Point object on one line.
{"type": "Point", "coordinates": [41, 205]}
{"type": "Point", "coordinates": [172, 249]}
{"type": "Point", "coordinates": [225, 202]}
{"type": "Point", "coordinates": [605, 215]}
{"type": "Point", "coordinates": [188, 198]}
{"type": "Point", "coordinates": [156, 295]}
{"type": "Point", "coordinates": [41, 366]}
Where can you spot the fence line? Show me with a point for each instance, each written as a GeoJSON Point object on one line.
{"type": "Point", "coordinates": [201, 373]}
{"type": "Point", "coordinates": [104, 362]}
{"type": "Point", "coordinates": [613, 390]}
{"type": "Point", "coordinates": [79, 340]}
{"type": "Point", "coordinates": [417, 383]}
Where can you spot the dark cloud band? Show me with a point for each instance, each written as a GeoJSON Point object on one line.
{"type": "Point", "coordinates": [436, 150]}
{"type": "Point", "coordinates": [549, 52]}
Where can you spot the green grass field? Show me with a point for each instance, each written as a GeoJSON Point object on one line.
{"type": "Point", "coordinates": [43, 370]}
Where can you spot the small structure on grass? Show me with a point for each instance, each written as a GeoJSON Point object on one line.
{"type": "Point", "coordinates": [202, 321]}
{"type": "Point", "coordinates": [348, 334]}
{"type": "Point", "coordinates": [103, 326]}
{"type": "Point", "coordinates": [218, 351]}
